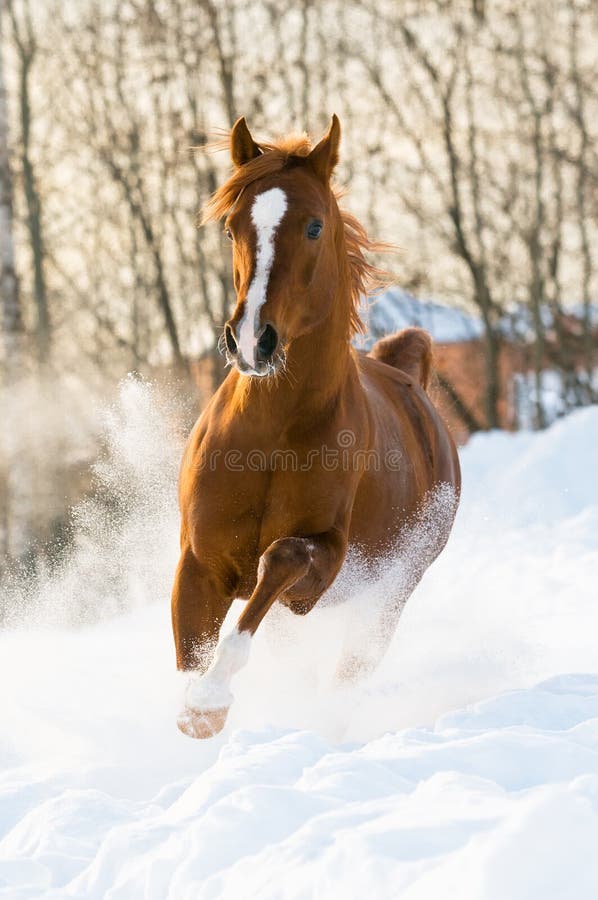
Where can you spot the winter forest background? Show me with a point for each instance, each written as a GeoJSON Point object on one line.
{"type": "Point", "coordinates": [469, 140]}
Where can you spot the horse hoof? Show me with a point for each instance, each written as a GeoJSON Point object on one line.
{"type": "Point", "coordinates": [196, 723]}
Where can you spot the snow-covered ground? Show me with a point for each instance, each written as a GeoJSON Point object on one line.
{"type": "Point", "coordinates": [467, 767]}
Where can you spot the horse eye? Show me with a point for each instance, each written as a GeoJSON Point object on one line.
{"type": "Point", "coordinates": [314, 229]}
{"type": "Point", "coordinates": [229, 234]}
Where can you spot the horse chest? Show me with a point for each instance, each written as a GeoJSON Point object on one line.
{"type": "Point", "coordinates": [243, 511]}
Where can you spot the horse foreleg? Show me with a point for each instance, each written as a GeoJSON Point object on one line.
{"type": "Point", "coordinates": [301, 568]}
{"type": "Point", "coordinates": [365, 647]}
{"type": "Point", "coordinates": [362, 653]}
{"type": "Point", "coordinates": [296, 569]}
{"type": "Point", "coordinates": [200, 601]}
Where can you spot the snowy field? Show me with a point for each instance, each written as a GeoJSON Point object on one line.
{"type": "Point", "coordinates": [467, 767]}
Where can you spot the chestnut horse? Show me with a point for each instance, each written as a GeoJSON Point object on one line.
{"type": "Point", "coordinates": [308, 447]}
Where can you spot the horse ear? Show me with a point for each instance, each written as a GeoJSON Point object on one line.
{"type": "Point", "coordinates": [324, 157]}
{"type": "Point", "coordinates": [242, 146]}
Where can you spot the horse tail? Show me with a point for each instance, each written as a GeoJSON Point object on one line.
{"type": "Point", "coordinates": [409, 350]}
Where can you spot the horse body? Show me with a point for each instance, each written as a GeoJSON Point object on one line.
{"type": "Point", "coordinates": [414, 454]}
{"type": "Point", "coordinates": [282, 474]}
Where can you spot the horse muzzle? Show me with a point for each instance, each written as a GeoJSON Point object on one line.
{"type": "Point", "coordinates": [264, 351]}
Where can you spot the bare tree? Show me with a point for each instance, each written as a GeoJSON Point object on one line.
{"type": "Point", "coordinates": [12, 317]}
{"type": "Point", "coordinates": [583, 176]}
{"type": "Point", "coordinates": [26, 46]}
{"type": "Point", "coordinates": [454, 144]}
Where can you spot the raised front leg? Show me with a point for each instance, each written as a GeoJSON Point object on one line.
{"type": "Point", "coordinates": [300, 568]}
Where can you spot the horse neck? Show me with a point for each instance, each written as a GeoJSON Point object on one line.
{"type": "Point", "coordinates": [317, 368]}
{"type": "Point", "coordinates": [318, 362]}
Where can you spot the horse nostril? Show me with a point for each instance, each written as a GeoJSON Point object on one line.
{"type": "Point", "coordinates": [267, 343]}
{"type": "Point", "coordinates": [229, 337]}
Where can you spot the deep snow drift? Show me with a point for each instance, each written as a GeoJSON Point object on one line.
{"type": "Point", "coordinates": [466, 767]}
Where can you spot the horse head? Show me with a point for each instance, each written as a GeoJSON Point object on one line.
{"type": "Point", "coordinates": [285, 228]}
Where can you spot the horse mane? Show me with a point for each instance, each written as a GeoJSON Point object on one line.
{"type": "Point", "coordinates": [366, 278]}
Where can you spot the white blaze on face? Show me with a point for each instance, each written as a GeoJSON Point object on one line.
{"type": "Point", "coordinates": [266, 214]}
